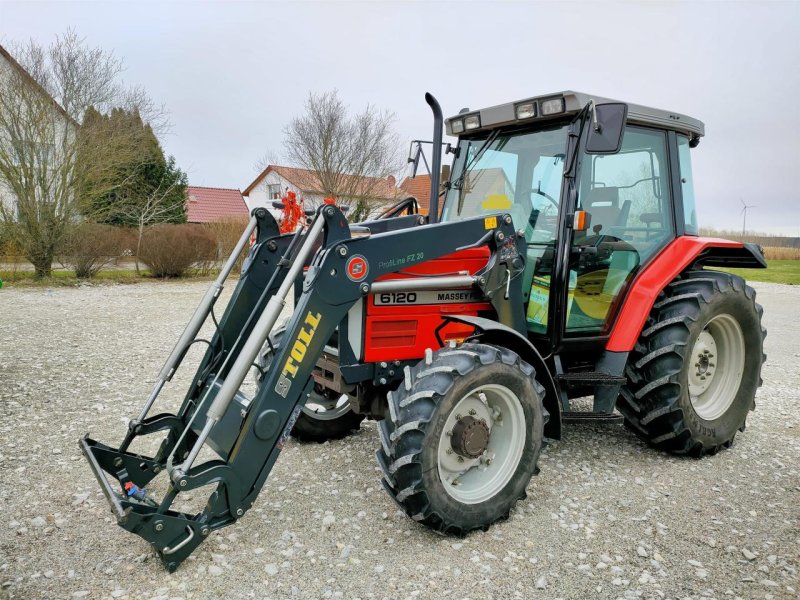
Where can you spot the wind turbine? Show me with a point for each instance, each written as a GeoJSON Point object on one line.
{"type": "Point", "coordinates": [744, 214]}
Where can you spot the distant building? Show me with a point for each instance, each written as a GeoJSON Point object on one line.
{"type": "Point", "coordinates": [64, 125]}
{"type": "Point", "coordinates": [420, 188]}
{"type": "Point", "coordinates": [207, 204]}
{"type": "Point", "coordinates": [274, 181]}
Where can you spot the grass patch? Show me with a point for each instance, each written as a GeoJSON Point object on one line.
{"type": "Point", "coordinates": [778, 271]}
{"type": "Point", "coordinates": [111, 276]}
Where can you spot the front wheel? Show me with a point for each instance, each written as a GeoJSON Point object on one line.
{"type": "Point", "coordinates": [462, 437]}
{"type": "Point", "coordinates": [695, 370]}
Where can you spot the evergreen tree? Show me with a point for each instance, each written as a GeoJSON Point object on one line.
{"type": "Point", "coordinates": [133, 170]}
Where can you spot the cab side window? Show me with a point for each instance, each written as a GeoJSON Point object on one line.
{"type": "Point", "coordinates": [687, 186]}
{"type": "Point", "coordinates": [627, 194]}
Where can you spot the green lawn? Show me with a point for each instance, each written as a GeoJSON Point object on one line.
{"type": "Point", "coordinates": [778, 271]}
{"type": "Point", "coordinates": [67, 278]}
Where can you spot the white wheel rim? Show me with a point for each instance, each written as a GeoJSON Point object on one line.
{"type": "Point", "coordinates": [716, 367]}
{"type": "Point", "coordinates": [317, 407]}
{"type": "Point", "coordinates": [475, 480]}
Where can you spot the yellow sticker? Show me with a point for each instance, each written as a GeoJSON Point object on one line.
{"type": "Point", "coordinates": [490, 222]}
{"type": "Point", "coordinates": [496, 202]}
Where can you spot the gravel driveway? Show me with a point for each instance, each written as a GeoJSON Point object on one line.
{"type": "Point", "coordinates": [607, 516]}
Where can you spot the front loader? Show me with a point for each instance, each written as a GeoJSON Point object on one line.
{"type": "Point", "coordinates": [565, 264]}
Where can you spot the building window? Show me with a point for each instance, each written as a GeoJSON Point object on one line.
{"type": "Point", "coordinates": [274, 191]}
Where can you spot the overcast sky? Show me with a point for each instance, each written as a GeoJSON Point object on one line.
{"type": "Point", "coordinates": [233, 73]}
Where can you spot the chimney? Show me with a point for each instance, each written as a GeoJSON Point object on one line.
{"type": "Point", "coordinates": [445, 174]}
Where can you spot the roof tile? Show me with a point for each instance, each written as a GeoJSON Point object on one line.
{"type": "Point", "coordinates": [207, 204]}
{"type": "Point", "coordinates": [307, 181]}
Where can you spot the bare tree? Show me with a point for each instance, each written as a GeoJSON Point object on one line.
{"type": "Point", "coordinates": [157, 207]}
{"type": "Point", "coordinates": [351, 157]}
{"type": "Point", "coordinates": [43, 98]}
{"type": "Point", "coordinates": [265, 160]}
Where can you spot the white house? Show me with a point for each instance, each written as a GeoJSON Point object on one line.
{"type": "Point", "coordinates": [274, 181]}
{"type": "Point", "coordinates": [60, 130]}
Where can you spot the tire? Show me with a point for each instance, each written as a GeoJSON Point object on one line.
{"type": "Point", "coordinates": [684, 392]}
{"type": "Point", "coordinates": [325, 415]}
{"type": "Point", "coordinates": [414, 437]}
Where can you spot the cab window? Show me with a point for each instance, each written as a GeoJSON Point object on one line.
{"type": "Point", "coordinates": [687, 186]}
{"type": "Point", "coordinates": [628, 200]}
{"type": "Point", "coordinates": [518, 173]}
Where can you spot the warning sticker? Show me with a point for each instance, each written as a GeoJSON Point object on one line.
{"type": "Point", "coordinates": [490, 222]}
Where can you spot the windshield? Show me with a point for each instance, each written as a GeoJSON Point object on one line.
{"type": "Point", "coordinates": [519, 173]}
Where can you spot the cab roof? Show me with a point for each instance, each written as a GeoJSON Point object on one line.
{"type": "Point", "coordinates": [553, 106]}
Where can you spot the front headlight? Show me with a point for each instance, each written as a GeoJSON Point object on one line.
{"type": "Point", "coordinates": [552, 107]}
{"type": "Point", "coordinates": [457, 126]}
{"type": "Point", "coordinates": [472, 122]}
{"type": "Point", "coordinates": [526, 111]}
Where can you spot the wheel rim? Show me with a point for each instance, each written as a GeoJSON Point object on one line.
{"type": "Point", "coordinates": [325, 405]}
{"type": "Point", "coordinates": [474, 480]}
{"type": "Point", "coordinates": [717, 365]}
{"type": "Point", "coordinates": [324, 408]}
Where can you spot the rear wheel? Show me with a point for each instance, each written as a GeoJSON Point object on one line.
{"type": "Point", "coordinates": [695, 370]}
{"type": "Point", "coordinates": [462, 437]}
{"type": "Point", "coordinates": [326, 415]}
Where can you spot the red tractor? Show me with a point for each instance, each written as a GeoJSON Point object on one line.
{"type": "Point", "coordinates": [566, 263]}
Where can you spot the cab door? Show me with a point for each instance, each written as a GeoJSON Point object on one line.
{"type": "Point", "coordinates": [629, 202]}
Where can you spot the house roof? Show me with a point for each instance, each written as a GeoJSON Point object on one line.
{"type": "Point", "coordinates": [207, 204]}
{"type": "Point", "coordinates": [420, 188]}
{"type": "Point", "coordinates": [27, 76]}
{"type": "Point", "coordinates": [307, 181]}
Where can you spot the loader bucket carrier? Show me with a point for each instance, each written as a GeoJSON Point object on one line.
{"type": "Point", "coordinates": [248, 434]}
{"type": "Point", "coordinates": [565, 262]}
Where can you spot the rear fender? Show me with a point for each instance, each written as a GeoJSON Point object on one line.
{"type": "Point", "coordinates": [682, 253]}
{"type": "Point", "coordinates": [492, 332]}
{"type": "Point", "coordinates": [748, 256]}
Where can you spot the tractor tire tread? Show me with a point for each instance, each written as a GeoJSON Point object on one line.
{"type": "Point", "coordinates": [411, 410]}
{"type": "Point", "coordinates": [649, 402]}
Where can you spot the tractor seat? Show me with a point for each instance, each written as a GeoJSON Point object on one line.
{"type": "Point", "coordinates": [650, 218]}
{"type": "Point", "coordinates": [602, 203]}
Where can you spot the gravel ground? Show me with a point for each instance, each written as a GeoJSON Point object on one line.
{"type": "Point", "coordinates": [607, 517]}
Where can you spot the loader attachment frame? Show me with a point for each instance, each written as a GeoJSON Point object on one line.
{"type": "Point", "coordinates": [248, 435]}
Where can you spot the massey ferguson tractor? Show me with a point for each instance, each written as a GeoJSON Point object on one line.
{"type": "Point", "coordinates": [565, 263]}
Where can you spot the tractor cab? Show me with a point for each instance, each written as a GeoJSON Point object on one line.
{"type": "Point", "coordinates": [592, 215]}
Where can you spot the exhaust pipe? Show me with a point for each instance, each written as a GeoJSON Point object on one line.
{"type": "Point", "coordinates": [436, 159]}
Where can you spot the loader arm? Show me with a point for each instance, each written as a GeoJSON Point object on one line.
{"type": "Point", "coordinates": [248, 434]}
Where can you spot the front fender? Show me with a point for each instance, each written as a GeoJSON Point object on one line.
{"type": "Point", "coordinates": [492, 332]}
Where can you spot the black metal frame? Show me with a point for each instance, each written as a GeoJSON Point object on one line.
{"type": "Point", "coordinates": [328, 292]}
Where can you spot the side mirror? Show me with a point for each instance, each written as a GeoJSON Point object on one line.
{"type": "Point", "coordinates": [606, 128]}
{"type": "Point", "coordinates": [413, 157]}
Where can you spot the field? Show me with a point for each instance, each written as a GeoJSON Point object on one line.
{"type": "Point", "coordinates": [777, 271]}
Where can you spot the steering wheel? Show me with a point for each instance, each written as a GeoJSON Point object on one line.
{"type": "Point", "coordinates": [606, 244]}
{"type": "Point", "coordinates": [552, 200]}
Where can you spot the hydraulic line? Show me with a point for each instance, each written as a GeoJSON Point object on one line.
{"type": "Point", "coordinates": [197, 320]}
{"type": "Point", "coordinates": [285, 259]}
{"type": "Point", "coordinates": [253, 345]}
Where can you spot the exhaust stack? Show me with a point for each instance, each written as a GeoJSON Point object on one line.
{"type": "Point", "coordinates": [436, 160]}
